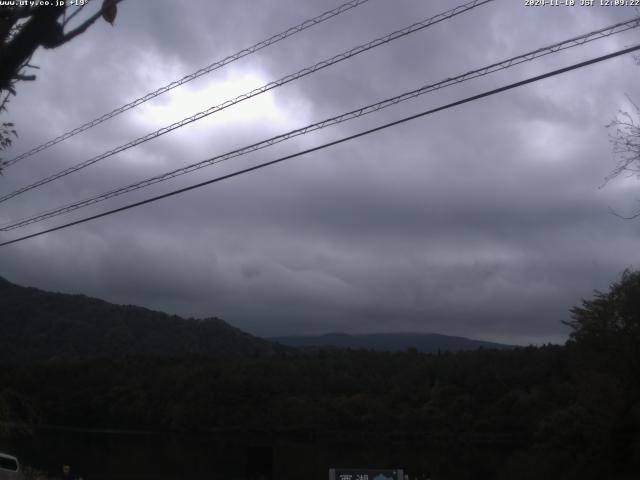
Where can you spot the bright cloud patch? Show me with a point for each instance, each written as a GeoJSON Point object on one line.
{"type": "Point", "coordinates": [190, 99]}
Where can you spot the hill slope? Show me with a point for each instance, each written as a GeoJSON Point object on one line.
{"type": "Point", "coordinates": [390, 342]}
{"type": "Point", "coordinates": [38, 325]}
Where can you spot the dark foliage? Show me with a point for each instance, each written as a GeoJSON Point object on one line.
{"type": "Point", "coordinates": [484, 396]}
{"type": "Point", "coordinates": [569, 412]}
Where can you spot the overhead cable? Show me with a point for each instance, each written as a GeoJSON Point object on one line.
{"type": "Point", "coordinates": [192, 76]}
{"type": "Point", "coordinates": [257, 91]}
{"type": "Point", "coordinates": [329, 144]}
{"type": "Point", "coordinates": [502, 65]}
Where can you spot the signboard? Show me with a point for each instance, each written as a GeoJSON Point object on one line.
{"type": "Point", "coordinates": [365, 474]}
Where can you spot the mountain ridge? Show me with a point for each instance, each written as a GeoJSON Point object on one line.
{"type": "Point", "coordinates": [38, 325]}
{"type": "Point", "coordinates": [391, 341]}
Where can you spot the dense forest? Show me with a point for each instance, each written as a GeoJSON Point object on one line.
{"type": "Point", "coordinates": [567, 412]}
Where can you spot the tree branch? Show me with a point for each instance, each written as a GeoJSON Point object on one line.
{"type": "Point", "coordinates": [631, 217]}
{"type": "Point", "coordinates": [68, 19]}
{"type": "Point", "coordinates": [4, 102]}
{"type": "Point", "coordinates": [22, 77]}
{"type": "Point", "coordinates": [41, 29]}
{"type": "Point", "coordinates": [84, 25]}
{"type": "Point", "coordinates": [24, 12]}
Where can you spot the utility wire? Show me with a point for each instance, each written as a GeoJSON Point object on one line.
{"type": "Point", "coordinates": [187, 78]}
{"type": "Point", "coordinates": [502, 65]}
{"type": "Point", "coordinates": [335, 142]}
{"type": "Point", "coordinates": [257, 91]}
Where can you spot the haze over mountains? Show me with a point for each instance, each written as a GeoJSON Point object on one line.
{"type": "Point", "coordinates": [389, 342]}
{"type": "Point", "coordinates": [37, 326]}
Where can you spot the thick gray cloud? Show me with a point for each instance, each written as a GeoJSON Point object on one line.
{"type": "Point", "coordinates": [485, 220]}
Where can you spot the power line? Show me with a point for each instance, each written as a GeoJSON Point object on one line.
{"type": "Point", "coordinates": [187, 78]}
{"type": "Point", "coordinates": [257, 91]}
{"type": "Point", "coordinates": [502, 65]}
{"type": "Point", "coordinates": [335, 142]}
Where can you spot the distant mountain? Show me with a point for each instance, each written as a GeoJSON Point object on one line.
{"type": "Point", "coordinates": [391, 342]}
{"type": "Point", "coordinates": [36, 325]}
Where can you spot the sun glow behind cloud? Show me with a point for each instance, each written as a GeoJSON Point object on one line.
{"type": "Point", "coordinates": [190, 99]}
{"type": "Point", "coordinates": [257, 118]}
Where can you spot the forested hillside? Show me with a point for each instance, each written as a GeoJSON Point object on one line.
{"type": "Point", "coordinates": [38, 326]}
{"type": "Point", "coordinates": [570, 412]}
{"type": "Point", "coordinates": [539, 414]}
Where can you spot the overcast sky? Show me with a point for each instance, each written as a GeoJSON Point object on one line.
{"type": "Point", "coordinates": [484, 220]}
